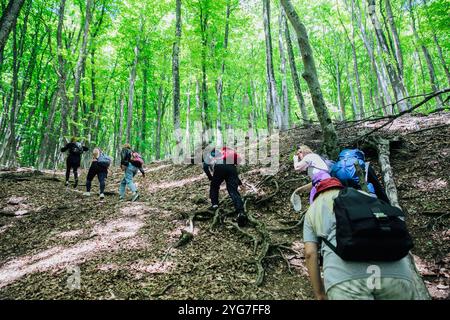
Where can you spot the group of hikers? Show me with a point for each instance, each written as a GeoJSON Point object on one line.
{"type": "Point", "coordinates": [350, 229]}
{"type": "Point", "coordinates": [130, 162]}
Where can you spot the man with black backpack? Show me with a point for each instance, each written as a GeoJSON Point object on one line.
{"type": "Point", "coordinates": [73, 161]}
{"type": "Point", "coordinates": [364, 244]}
{"type": "Point", "coordinates": [130, 162]}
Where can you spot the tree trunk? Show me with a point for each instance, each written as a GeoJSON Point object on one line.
{"type": "Point", "coordinates": [397, 47]}
{"type": "Point", "coordinates": [160, 110]}
{"type": "Point", "coordinates": [273, 95]}
{"type": "Point", "coordinates": [294, 75]}
{"type": "Point", "coordinates": [340, 98]}
{"type": "Point", "coordinates": [381, 80]}
{"type": "Point", "coordinates": [395, 78]}
{"type": "Point", "coordinates": [8, 22]}
{"type": "Point", "coordinates": [431, 71]}
{"type": "Point", "coordinates": [438, 47]}
{"type": "Point", "coordinates": [204, 15]}
{"type": "Point", "coordinates": [285, 123]}
{"type": "Point", "coordinates": [131, 93]}
{"type": "Point", "coordinates": [188, 118]}
{"type": "Point", "coordinates": [311, 78]}
{"type": "Point", "coordinates": [81, 63]}
{"type": "Point", "coordinates": [144, 107]}
{"type": "Point", "coordinates": [121, 116]}
{"type": "Point", "coordinates": [352, 94]}
{"type": "Point", "coordinates": [61, 69]}
{"type": "Point", "coordinates": [383, 148]}
{"type": "Point", "coordinates": [176, 74]}
{"type": "Point", "coordinates": [219, 139]}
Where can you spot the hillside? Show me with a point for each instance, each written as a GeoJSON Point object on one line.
{"type": "Point", "coordinates": [121, 249]}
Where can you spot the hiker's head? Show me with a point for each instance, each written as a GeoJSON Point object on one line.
{"type": "Point", "coordinates": [303, 150]}
{"type": "Point", "coordinates": [73, 139]}
{"type": "Point", "coordinates": [126, 146]}
{"type": "Point", "coordinates": [96, 153]}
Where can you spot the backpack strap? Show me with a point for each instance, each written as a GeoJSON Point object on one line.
{"type": "Point", "coordinates": [328, 243]}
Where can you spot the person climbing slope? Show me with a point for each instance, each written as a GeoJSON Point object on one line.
{"type": "Point", "coordinates": [225, 169]}
{"type": "Point", "coordinates": [315, 165]}
{"type": "Point", "coordinates": [99, 167]}
{"type": "Point", "coordinates": [73, 161]}
{"type": "Point", "coordinates": [130, 163]}
{"type": "Point", "coordinates": [364, 254]}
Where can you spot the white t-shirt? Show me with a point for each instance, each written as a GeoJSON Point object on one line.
{"type": "Point", "coordinates": [311, 162]}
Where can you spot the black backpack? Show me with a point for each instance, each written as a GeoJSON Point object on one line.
{"type": "Point", "coordinates": [76, 148]}
{"type": "Point", "coordinates": [368, 229]}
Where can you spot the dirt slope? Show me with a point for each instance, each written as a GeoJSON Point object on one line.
{"type": "Point", "coordinates": [49, 233]}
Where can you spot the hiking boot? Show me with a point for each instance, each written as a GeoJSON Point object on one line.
{"type": "Point", "coordinates": [213, 207]}
{"type": "Point", "coordinates": [102, 196]}
{"type": "Point", "coordinates": [87, 194]}
{"type": "Point", "coordinates": [242, 219]}
{"type": "Point", "coordinates": [135, 196]}
{"type": "Point", "coordinates": [121, 199]}
{"type": "Point", "coordinates": [75, 184]}
{"type": "Point", "coordinates": [67, 183]}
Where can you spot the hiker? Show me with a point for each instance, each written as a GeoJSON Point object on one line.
{"type": "Point", "coordinates": [74, 159]}
{"type": "Point", "coordinates": [130, 163]}
{"type": "Point", "coordinates": [315, 165]}
{"type": "Point", "coordinates": [344, 169]}
{"type": "Point", "coordinates": [369, 272]}
{"type": "Point", "coordinates": [225, 164]}
{"type": "Point", "coordinates": [99, 167]}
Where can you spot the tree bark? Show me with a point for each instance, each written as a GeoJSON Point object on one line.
{"type": "Point", "coordinates": [271, 85]}
{"type": "Point", "coordinates": [397, 47]}
{"type": "Point", "coordinates": [426, 54]}
{"type": "Point", "coordinates": [340, 98]}
{"type": "Point", "coordinates": [176, 74]}
{"type": "Point", "coordinates": [311, 78]}
{"type": "Point", "coordinates": [204, 16]}
{"type": "Point", "coordinates": [383, 148]}
{"type": "Point", "coordinates": [81, 64]}
{"type": "Point", "coordinates": [144, 107]}
{"type": "Point", "coordinates": [131, 93]}
{"type": "Point", "coordinates": [61, 69]}
{"type": "Point", "coordinates": [8, 22]}
{"type": "Point", "coordinates": [294, 75]}
{"type": "Point", "coordinates": [285, 123]}
{"type": "Point", "coordinates": [381, 80]}
{"type": "Point", "coordinates": [121, 116]}
{"type": "Point", "coordinates": [395, 78]}
{"type": "Point", "coordinates": [219, 139]}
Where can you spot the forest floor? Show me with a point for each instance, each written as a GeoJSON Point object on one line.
{"type": "Point", "coordinates": [49, 233]}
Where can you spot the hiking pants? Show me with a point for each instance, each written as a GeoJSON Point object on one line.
{"type": "Point", "coordinates": [127, 180]}
{"type": "Point", "coordinates": [72, 165]}
{"type": "Point", "coordinates": [101, 175]}
{"type": "Point", "coordinates": [358, 289]}
{"type": "Point", "coordinates": [227, 172]}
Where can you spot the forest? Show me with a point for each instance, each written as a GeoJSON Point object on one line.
{"type": "Point", "coordinates": [158, 74]}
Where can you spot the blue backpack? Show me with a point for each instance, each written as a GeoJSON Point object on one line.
{"type": "Point", "coordinates": [104, 161]}
{"type": "Point", "coordinates": [344, 168]}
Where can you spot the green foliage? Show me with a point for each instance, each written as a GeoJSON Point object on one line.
{"type": "Point", "coordinates": [117, 27]}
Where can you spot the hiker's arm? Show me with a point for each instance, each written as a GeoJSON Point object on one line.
{"type": "Point", "coordinates": [64, 149]}
{"type": "Point", "coordinates": [312, 263]}
{"type": "Point", "coordinates": [85, 149]}
{"type": "Point", "coordinates": [207, 171]}
{"type": "Point", "coordinates": [142, 171]}
{"type": "Point", "coordinates": [300, 165]}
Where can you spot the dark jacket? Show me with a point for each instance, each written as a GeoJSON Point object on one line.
{"type": "Point", "coordinates": [74, 158]}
